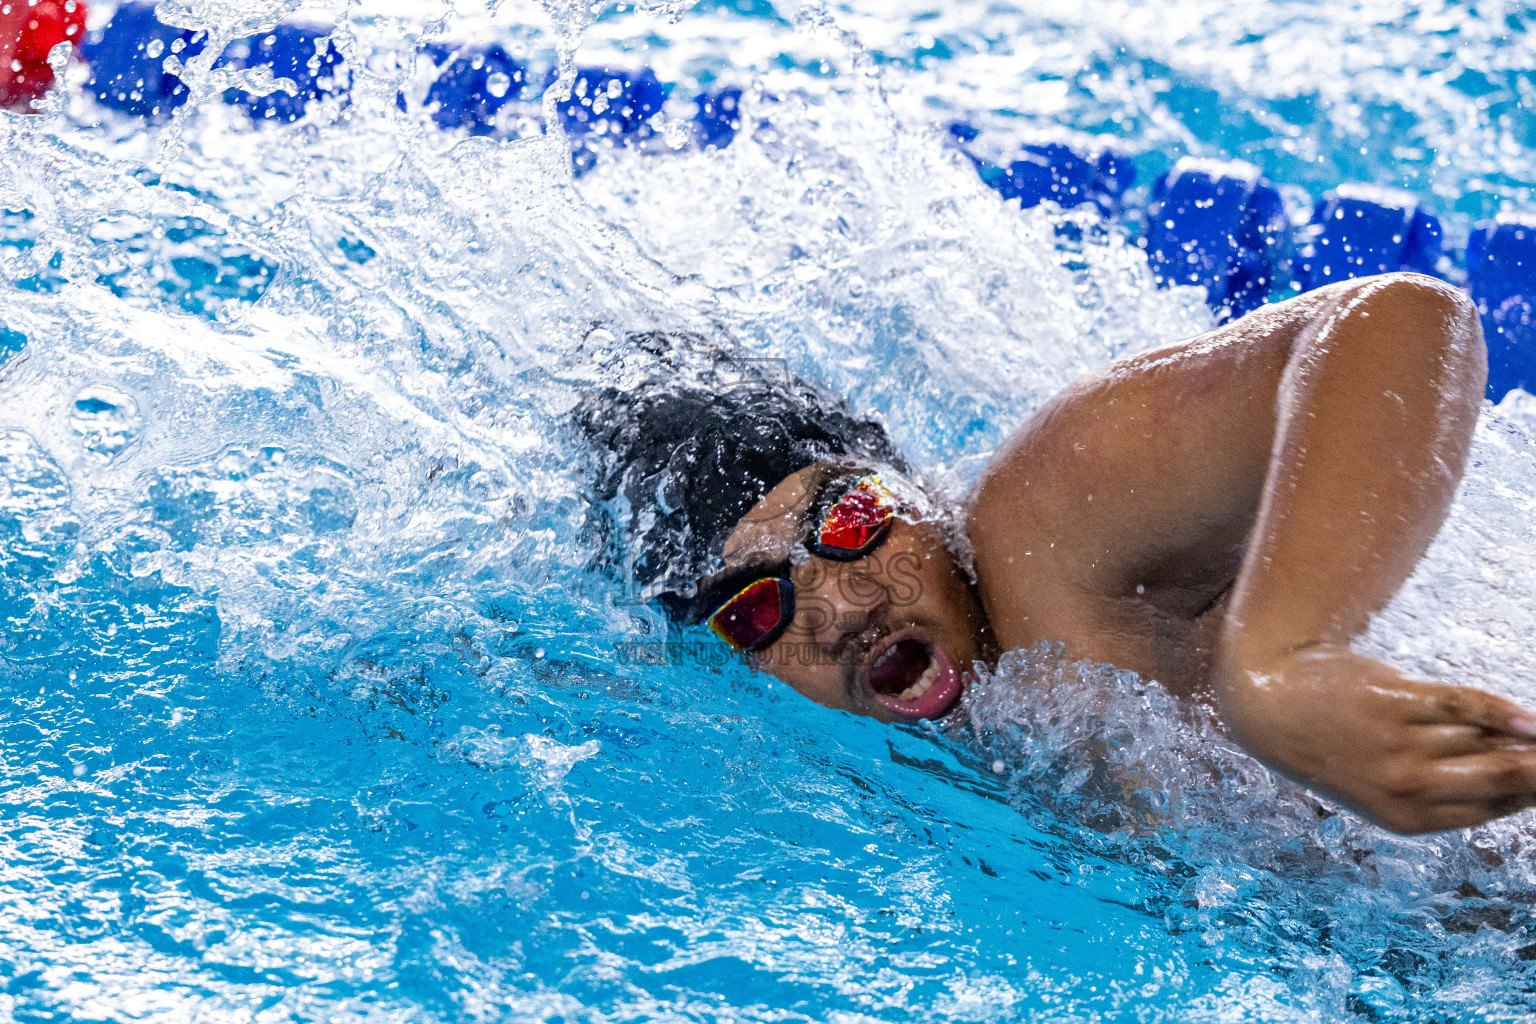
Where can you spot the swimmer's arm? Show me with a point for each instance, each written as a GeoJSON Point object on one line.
{"type": "Point", "coordinates": [1235, 508]}
{"type": "Point", "coordinates": [1375, 412]}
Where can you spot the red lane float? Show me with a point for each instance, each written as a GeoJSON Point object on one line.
{"type": "Point", "coordinates": [28, 30]}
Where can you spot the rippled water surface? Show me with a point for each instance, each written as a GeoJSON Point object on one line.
{"type": "Point", "coordinates": [310, 708]}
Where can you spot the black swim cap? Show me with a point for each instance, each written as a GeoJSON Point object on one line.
{"type": "Point", "coordinates": [690, 458]}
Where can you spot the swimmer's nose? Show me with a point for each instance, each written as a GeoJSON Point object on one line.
{"type": "Point", "coordinates": [836, 604]}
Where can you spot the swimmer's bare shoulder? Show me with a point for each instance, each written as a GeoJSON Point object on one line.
{"type": "Point", "coordinates": [1225, 514]}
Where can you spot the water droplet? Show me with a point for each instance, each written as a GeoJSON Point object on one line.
{"type": "Point", "coordinates": [998, 766]}
{"type": "Point", "coordinates": [106, 420]}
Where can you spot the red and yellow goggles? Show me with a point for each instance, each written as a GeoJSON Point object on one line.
{"type": "Point", "coordinates": [851, 527]}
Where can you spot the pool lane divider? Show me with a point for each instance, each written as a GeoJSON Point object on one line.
{"type": "Point", "coordinates": [1215, 224]}
{"type": "Point", "coordinates": [1034, 172]}
{"type": "Point", "coordinates": [473, 88]}
{"type": "Point", "coordinates": [1222, 226]}
{"type": "Point", "coordinates": [473, 85]}
{"type": "Point", "coordinates": [301, 53]}
{"type": "Point", "coordinates": [1501, 269]}
{"type": "Point", "coordinates": [1359, 230]}
{"type": "Point", "coordinates": [127, 59]}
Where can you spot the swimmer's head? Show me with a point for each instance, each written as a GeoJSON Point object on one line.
{"type": "Point", "coordinates": [691, 455]}
{"type": "Point", "coordinates": [725, 485]}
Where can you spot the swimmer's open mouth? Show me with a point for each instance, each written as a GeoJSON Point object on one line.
{"type": "Point", "coordinates": [912, 676]}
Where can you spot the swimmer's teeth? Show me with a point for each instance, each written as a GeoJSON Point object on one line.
{"type": "Point", "coordinates": [923, 684]}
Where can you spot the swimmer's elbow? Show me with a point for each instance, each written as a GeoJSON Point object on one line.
{"type": "Point", "coordinates": [1420, 291]}
{"type": "Point", "coordinates": [1429, 301]}
{"type": "Point", "coordinates": [1417, 317]}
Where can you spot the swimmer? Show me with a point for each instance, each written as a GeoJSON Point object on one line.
{"type": "Point", "coordinates": [1222, 515]}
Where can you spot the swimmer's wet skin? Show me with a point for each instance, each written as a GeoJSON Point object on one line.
{"type": "Point", "coordinates": [1222, 515]}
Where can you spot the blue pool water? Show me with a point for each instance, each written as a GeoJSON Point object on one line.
{"type": "Point", "coordinates": [310, 709]}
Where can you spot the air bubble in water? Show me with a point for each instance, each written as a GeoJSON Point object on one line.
{"type": "Point", "coordinates": [106, 420]}
{"type": "Point", "coordinates": [154, 48]}
{"type": "Point", "coordinates": [498, 83]}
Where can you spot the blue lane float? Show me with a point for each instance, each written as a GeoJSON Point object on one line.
{"type": "Point", "coordinates": [1501, 269]}
{"type": "Point", "coordinates": [127, 58]}
{"type": "Point", "coordinates": [1359, 230]}
{"type": "Point", "coordinates": [1036, 172]}
{"type": "Point", "coordinates": [1221, 225]}
{"type": "Point", "coordinates": [618, 103]}
{"type": "Point", "coordinates": [303, 54]}
{"type": "Point", "coordinates": [609, 107]}
{"type": "Point", "coordinates": [717, 118]}
{"type": "Point", "coordinates": [473, 87]}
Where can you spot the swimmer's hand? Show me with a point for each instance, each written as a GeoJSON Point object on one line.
{"type": "Point", "coordinates": [1410, 755]}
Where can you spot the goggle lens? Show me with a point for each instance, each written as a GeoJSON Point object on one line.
{"type": "Point", "coordinates": [756, 616]}
{"type": "Point", "coordinates": [856, 522]}
{"type": "Point", "coordinates": [759, 613]}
